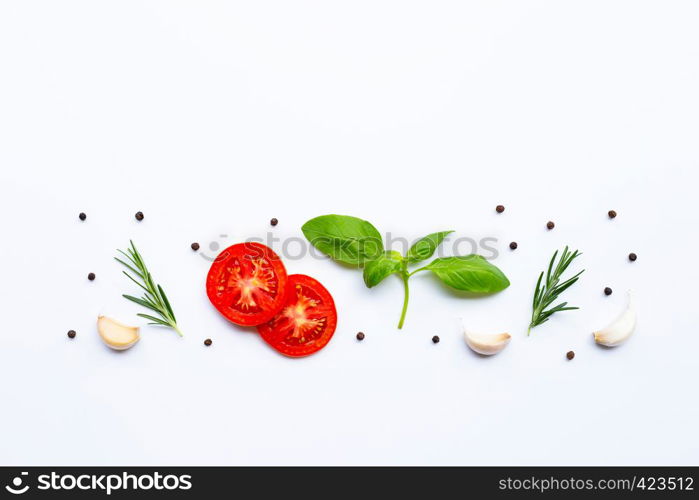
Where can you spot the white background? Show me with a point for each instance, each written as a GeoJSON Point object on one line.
{"type": "Point", "coordinates": [213, 117]}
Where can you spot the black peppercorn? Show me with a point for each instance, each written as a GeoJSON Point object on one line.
{"type": "Point", "coordinates": [513, 245]}
{"type": "Point", "coordinates": [207, 342]}
{"type": "Point", "coordinates": [82, 216]}
{"type": "Point", "coordinates": [500, 209]}
{"type": "Point", "coordinates": [607, 291]}
{"type": "Point", "coordinates": [139, 216]}
{"type": "Point", "coordinates": [633, 257]}
{"type": "Point", "coordinates": [91, 276]}
{"type": "Point", "coordinates": [274, 221]}
{"type": "Point", "coordinates": [570, 355]}
{"type": "Point", "coordinates": [71, 334]}
{"type": "Point", "coordinates": [435, 339]}
{"type": "Point", "coordinates": [195, 246]}
{"type": "Point", "coordinates": [360, 336]}
{"type": "Point", "coordinates": [611, 214]}
{"type": "Point", "coordinates": [550, 225]}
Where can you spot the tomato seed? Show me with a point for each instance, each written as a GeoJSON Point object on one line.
{"type": "Point", "coordinates": [207, 342]}
{"type": "Point", "coordinates": [274, 221]}
{"type": "Point", "coordinates": [570, 355]}
{"type": "Point", "coordinates": [82, 216]}
{"type": "Point", "coordinates": [195, 246]}
{"type": "Point", "coordinates": [91, 276]}
{"type": "Point", "coordinates": [71, 334]}
{"type": "Point", "coordinates": [513, 245]}
{"type": "Point", "coordinates": [435, 339]}
{"type": "Point", "coordinates": [611, 214]}
{"type": "Point", "coordinates": [633, 257]}
{"type": "Point", "coordinates": [139, 216]}
{"type": "Point", "coordinates": [607, 291]}
{"type": "Point", "coordinates": [550, 225]}
{"type": "Point", "coordinates": [500, 209]}
{"type": "Point", "coordinates": [360, 336]}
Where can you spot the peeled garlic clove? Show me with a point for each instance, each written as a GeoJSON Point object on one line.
{"type": "Point", "coordinates": [487, 343]}
{"type": "Point", "coordinates": [116, 335]}
{"type": "Point", "coordinates": [620, 329]}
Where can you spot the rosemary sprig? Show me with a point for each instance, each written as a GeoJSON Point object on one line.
{"type": "Point", "coordinates": [545, 295]}
{"type": "Point", "coordinates": [154, 297]}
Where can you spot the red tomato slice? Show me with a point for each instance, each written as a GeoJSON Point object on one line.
{"type": "Point", "coordinates": [247, 283]}
{"type": "Point", "coordinates": [306, 322]}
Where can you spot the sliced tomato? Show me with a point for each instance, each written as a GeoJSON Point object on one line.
{"type": "Point", "coordinates": [247, 283]}
{"type": "Point", "coordinates": [307, 320]}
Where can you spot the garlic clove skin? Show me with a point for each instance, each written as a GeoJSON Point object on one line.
{"type": "Point", "coordinates": [620, 329]}
{"type": "Point", "coordinates": [116, 335]}
{"type": "Point", "coordinates": [487, 344]}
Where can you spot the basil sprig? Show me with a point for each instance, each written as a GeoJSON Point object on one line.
{"type": "Point", "coordinates": [358, 243]}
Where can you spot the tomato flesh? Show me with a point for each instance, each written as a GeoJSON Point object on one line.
{"type": "Point", "coordinates": [306, 321]}
{"type": "Point", "coordinates": [247, 283]}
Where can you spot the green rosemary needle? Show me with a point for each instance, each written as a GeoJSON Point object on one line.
{"type": "Point", "coordinates": [545, 294]}
{"type": "Point", "coordinates": [154, 297]}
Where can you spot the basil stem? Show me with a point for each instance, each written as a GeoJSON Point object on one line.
{"type": "Point", "coordinates": [406, 290]}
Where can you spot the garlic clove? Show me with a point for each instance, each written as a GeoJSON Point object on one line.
{"type": "Point", "coordinates": [116, 335]}
{"type": "Point", "coordinates": [487, 343]}
{"type": "Point", "coordinates": [620, 329]}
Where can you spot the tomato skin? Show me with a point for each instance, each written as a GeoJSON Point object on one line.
{"type": "Point", "coordinates": [306, 322]}
{"type": "Point", "coordinates": [247, 283]}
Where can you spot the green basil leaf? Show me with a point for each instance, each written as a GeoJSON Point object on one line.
{"type": "Point", "coordinates": [471, 273]}
{"type": "Point", "coordinates": [425, 247]}
{"type": "Point", "coordinates": [345, 239]}
{"type": "Point", "coordinates": [376, 270]}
